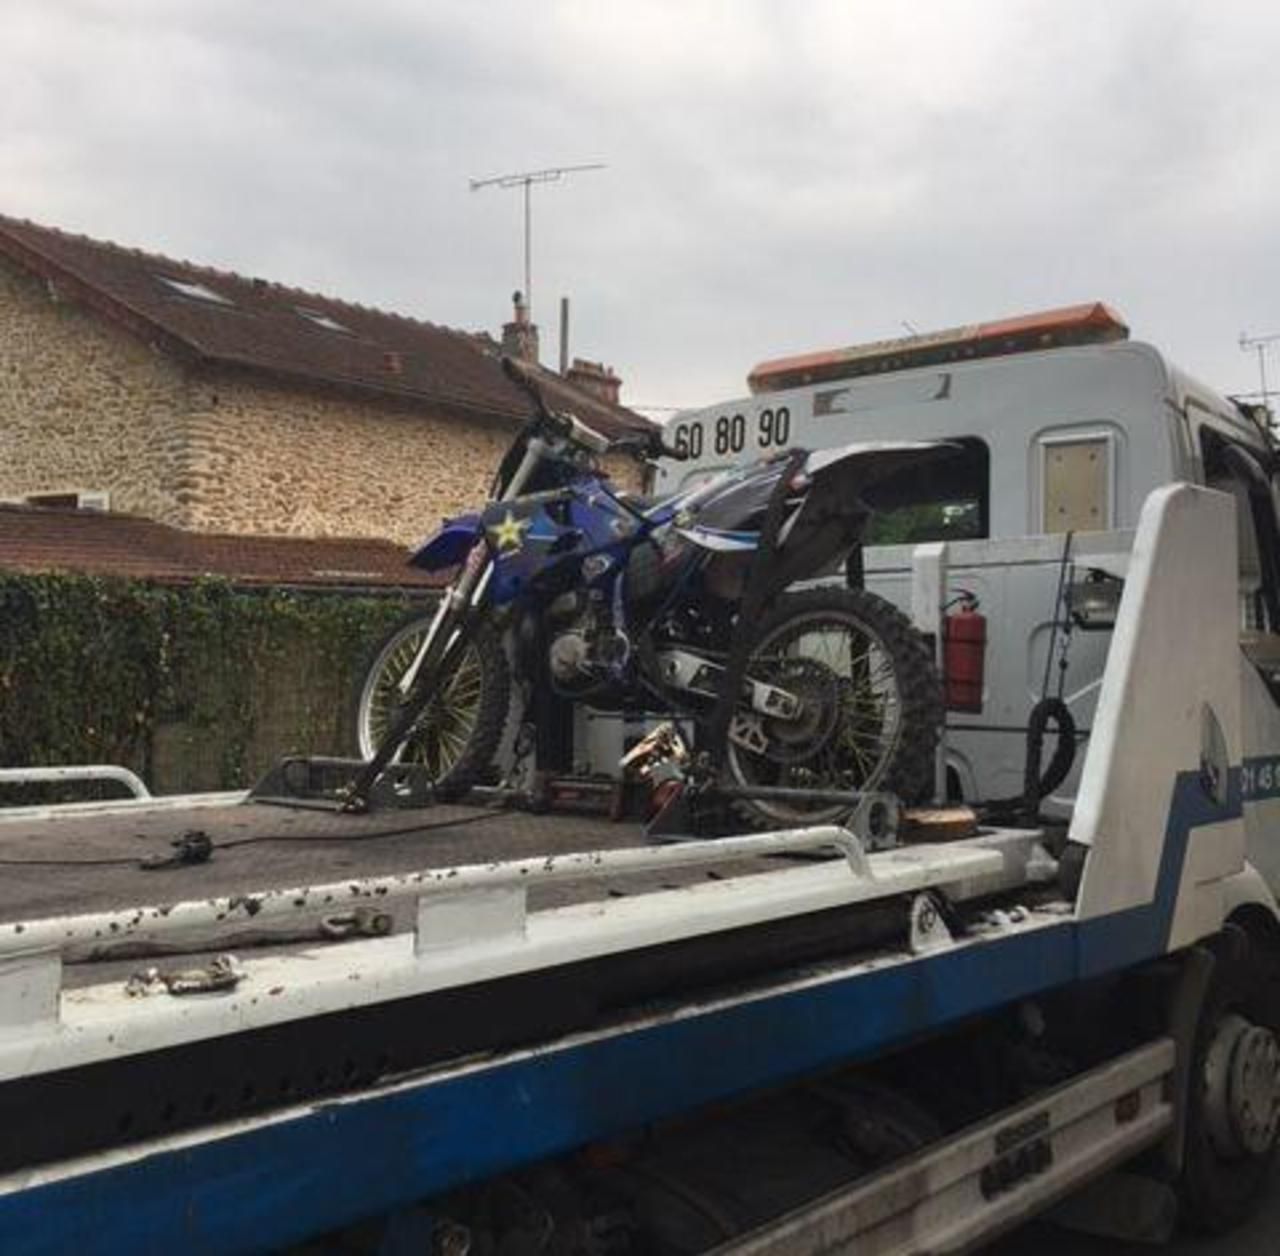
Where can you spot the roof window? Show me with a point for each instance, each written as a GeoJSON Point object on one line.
{"type": "Point", "coordinates": [320, 319]}
{"type": "Point", "coordinates": [195, 290]}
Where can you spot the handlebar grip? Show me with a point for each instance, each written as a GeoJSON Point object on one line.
{"type": "Point", "coordinates": [661, 449]}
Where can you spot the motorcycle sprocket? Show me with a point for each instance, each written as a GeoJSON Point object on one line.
{"type": "Point", "coordinates": [818, 689]}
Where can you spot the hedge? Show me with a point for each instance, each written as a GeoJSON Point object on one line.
{"type": "Point", "coordinates": [198, 686]}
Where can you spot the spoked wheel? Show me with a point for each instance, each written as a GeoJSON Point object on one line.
{"type": "Point", "coordinates": [457, 734]}
{"type": "Point", "coordinates": [870, 705]}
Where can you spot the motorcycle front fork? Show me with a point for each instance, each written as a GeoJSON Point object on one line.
{"type": "Point", "coordinates": [465, 595]}
{"type": "Point", "coordinates": [459, 605]}
{"type": "Point", "coordinates": [448, 631]}
{"type": "Point", "coordinates": [469, 589]}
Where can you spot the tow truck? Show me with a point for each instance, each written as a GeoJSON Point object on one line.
{"type": "Point", "coordinates": [227, 1026]}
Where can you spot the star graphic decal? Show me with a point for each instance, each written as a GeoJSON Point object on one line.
{"type": "Point", "coordinates": [508, 536]}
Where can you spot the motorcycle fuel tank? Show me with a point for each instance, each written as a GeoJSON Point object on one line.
{"type": "Point", "coordinates": [569, 535]}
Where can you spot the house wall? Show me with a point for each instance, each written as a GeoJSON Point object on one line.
{"type": "Point", "coordinates": [87, 405]}
{"type": "Point", "coordinates": [84, 405]}
{"type": "Point", "coordinates": [267, 458]}
{"type": "Point", "coordinates": [272, 459]}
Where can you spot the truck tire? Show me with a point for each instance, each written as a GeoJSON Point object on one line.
{"type": "Point", "coordinates": [1233, 1102]}
{"type": "Point", "coordinates": [885, 704]}
{"type": "Point", "coordinates": [458, 733]}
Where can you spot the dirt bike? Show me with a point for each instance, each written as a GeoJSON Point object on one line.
{"type": "Point", "coordinates": [625, 603]}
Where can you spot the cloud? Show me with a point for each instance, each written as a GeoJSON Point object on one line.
{"type": "Point", "coordinates": [780, 176]}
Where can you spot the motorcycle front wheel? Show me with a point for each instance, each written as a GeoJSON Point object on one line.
{"type": "Point", "coordinates": [871, 706]}
{"type": "Point", "coordinates": [457, 734]}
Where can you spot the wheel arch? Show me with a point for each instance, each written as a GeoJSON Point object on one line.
{"type": "Point", "coordinates": [1249, 904]}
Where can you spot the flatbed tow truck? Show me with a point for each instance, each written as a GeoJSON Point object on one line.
{"type": "Point", "coordinates": [459, 1029]}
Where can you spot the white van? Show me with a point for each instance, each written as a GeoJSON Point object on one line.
{"type": "Point", "coordinates": [1065, 426]}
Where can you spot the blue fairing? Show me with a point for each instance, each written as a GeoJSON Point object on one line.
{"type": "Point", "coordinates": [448, 547]}
{"type": "Point", "coordinates": [539, 542]}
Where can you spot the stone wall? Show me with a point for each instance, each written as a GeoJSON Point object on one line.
{"type": "Point", "coordinates": [85, 405]}
{"type": "Point", "coordinates": [271, 459]}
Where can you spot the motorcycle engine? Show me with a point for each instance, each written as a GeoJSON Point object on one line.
{"type": "Point", "coordinates": [582, 652]}
{"type": "Point", "coordinates": [569, 657]}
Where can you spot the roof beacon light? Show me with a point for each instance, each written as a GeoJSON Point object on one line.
{"type": "Point", "coordinates": [1094, 323]}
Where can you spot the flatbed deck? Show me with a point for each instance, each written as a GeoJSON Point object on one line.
{"type": "Point", "coordinates": [86, 862]}
{"type": "Point", "coordinates": [74, 864]}
{"type": "Point", "coordinates": [507, 930]}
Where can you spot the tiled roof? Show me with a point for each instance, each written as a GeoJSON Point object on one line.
{"type": "Point", "coordinates": [223, 318]}
{"type": "Point", "coordinates": [35, 539]}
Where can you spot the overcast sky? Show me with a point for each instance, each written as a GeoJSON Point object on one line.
{"type": "Point", "coordinates": [781, 176]}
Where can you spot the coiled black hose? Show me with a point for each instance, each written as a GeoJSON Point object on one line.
{"type": "Point", "coordinates": [1036, 785]}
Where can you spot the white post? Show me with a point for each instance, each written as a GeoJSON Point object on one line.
{"type": "Point", "coordinates": [928, 595]}
{"type": "Point", "coordinates": [30, 987]}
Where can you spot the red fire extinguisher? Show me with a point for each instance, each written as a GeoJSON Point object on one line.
{"type": "Point", "coordinates": [964, 650]}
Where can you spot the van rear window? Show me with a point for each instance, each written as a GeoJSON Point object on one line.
{"type": "Point", "coordinates": [945, 500]}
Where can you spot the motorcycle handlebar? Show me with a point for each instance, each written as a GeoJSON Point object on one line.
{"type": "Point", "coordinates": [567, 427]}
{"type": "Point", "coordinates": [581, 434]}
{"type": "Point", "coordinates": [651, 445]}
{"type": "Point", "coordinates": [663, 450]}
{"type": "Point", "coordinates": [643, 444]}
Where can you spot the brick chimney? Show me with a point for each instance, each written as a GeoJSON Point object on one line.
{"type": "Point", "coordinates": [595, 378]}
{"type": "Point", "coordinates": [520, 336]}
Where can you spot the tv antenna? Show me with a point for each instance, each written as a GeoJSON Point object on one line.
{"type": "Point", "coordinates": [1259, 345]}
{"type": "Point", "coordinates": [526, 179]}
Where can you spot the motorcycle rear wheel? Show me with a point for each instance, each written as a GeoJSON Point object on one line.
{"type": "Point", "coordinates": [859, 655]}
{"type": "Point", "coordinates": [458, 733]}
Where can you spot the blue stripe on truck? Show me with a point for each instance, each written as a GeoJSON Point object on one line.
{"type": "Point", "coordinates": [259, 1187]}
{"type": "Point", "coordinates": [1128, 937]}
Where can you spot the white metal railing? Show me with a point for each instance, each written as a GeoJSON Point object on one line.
{"type": "Point", "coordinates": [80, 772]}
{"type": "Point", "coordinates": [86, 936]}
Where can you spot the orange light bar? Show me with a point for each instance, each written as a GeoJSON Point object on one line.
{"type": "Point", "coordinates": [1094, 323]}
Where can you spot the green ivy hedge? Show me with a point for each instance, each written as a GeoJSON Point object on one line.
{"type": "Point", "coordinates": [194, 687]}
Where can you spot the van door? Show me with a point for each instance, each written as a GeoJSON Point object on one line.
{"type": "Point", "coordinates": [1233, 468]}
{"type": "Point", "coordinates": [1239, 470]}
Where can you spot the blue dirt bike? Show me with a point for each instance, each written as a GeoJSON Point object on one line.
{"type": "Point", "coordinates": [624, 603]}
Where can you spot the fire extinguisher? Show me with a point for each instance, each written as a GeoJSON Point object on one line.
{"type": "Point", "coordinates": [964, 650]}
